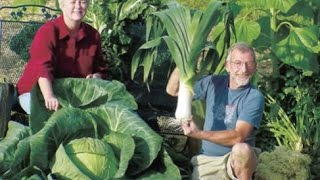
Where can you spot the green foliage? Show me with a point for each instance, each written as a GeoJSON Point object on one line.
{"type": "Point", "coordinates": [285, 131]}
{"type": "Point", "coordinates": [203, 4]}
{"type": "Point", "coordinates": [295, 124]}
{"type": "Point", "coordinates": [283, 163]}
{"type": "Point", "coordinates": [33, 2]}
{"type": "Point", "coordinates": [87, 157]}
{"type": "Point", "coordinates": [20, 43]}
{"type": "Point", "coordinates": [286, 33]}
{"type": "Point", "coordinates": [280, 32]}
{"type": "Point", "coordinates": [178, 27]}
{"type": "Point", "coordinates": [96, 15]}
{"type": "Point", "coordinates": [95, 109]}
{"type": "Point", "coordinates": [122, 27]}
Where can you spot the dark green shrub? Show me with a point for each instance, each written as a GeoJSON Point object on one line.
{"type": "Point", "coordinates": [20, 43]}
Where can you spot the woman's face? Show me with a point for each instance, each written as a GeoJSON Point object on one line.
{"type": "Point", "coordinates": [74, 10]}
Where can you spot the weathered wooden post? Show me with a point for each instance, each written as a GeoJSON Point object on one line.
{"type": "Point", "coordinates": [5, 107]}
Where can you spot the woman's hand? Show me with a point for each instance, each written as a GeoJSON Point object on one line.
{"type": "Point", "coordinates": [51, 103]}
{"type": "Point", "coordinates": [50, 100]}
{"type": "Point", "coordinates": [95, 75]}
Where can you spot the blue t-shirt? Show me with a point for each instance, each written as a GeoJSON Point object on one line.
{"type": "Point", "coordinates": [225, 106]}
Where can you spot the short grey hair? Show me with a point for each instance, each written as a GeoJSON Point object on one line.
{"type": "Point", "coordinates": [243, 47]}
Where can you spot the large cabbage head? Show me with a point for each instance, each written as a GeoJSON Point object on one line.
{"type": "Point", "coordinates": [85, 158]}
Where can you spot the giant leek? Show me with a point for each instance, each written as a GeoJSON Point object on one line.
{"type": "Point", "coordinates": [185, 32]}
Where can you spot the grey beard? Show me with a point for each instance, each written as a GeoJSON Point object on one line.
{"type": "Point", "coordinates": [242, 82]}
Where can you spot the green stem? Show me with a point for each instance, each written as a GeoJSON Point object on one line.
{"type": "Point", "coordinates": [275, 61]}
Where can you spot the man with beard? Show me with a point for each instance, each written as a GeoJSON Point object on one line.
{"type": "Point", "coordinates": [234, 110]}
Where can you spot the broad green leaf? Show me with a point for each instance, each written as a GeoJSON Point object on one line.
{"type": "Point", "coordinates": [301, 13]}
{"type": "Point", "coordinates": [147, 142]}
{"type": "Point", "coordinates": [290, 52]}
{"type": "Point", "coordinates": [264, 38]}
{"type": "Point", "coordinates": [131, 9]}
{"type": "Point", "coordinates": [155, 173]}
{"type": "Point", "coordinates": [8, 144]}
{"type": "Point", "coordinates": [247, 31]}
{"type": "Point", "coordinates": [308, 35]}
{"type": "Point", "coordinates": [88, 157]}
{"type": "Point", "coordinates": [61, 162]}
{"type": "Point", "coordinates": [65, 124]}
{"type": "Point", "coordinates": [123, 147]}
{"type": "Point", "coordinates": [316, 48]}
{"type": "Point", "coordinates": [84, 114]}
{"type": "Point", "coordinates": [282, 5]}
{"type": "Point", "coordinates": [96, 15]}
{"type": "Point", "coordinates": [79, 93]}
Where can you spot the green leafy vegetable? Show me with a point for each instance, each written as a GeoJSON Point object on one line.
{"type": "Point", "coordinates": [8, 145]}
{"type": "Point", "coordinates": [86, 157]}
{"type": "Point", "coordinates": [185, 32]}
{"type": "Point", "coordinates": [96, 134]}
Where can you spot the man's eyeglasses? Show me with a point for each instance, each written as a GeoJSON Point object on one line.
{"type": "Point", "coordinates": [238, 64]}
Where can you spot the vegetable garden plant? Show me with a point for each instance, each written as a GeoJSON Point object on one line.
{"type": "Point", "coordinates": [96, 134]}
{"type": "Point", "coordinates": [283, 32]}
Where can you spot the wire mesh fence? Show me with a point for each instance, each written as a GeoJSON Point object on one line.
{"type": "Point", "coordinates": [14, 49]}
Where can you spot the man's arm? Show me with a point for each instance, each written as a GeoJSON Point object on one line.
{"type": "Point", "coordinates": [225, 137]}
{"type": "Point", "coordinates": [173, 83]}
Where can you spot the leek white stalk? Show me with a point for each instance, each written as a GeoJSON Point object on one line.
{"type": "Point", "coordinates": [183, 110]}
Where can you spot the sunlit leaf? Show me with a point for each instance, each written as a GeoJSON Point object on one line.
{"type": "Point", "coordinates": [290, 51]}
{"type": "Point", "coordinates": [282, 5]}
{"type": "Point", "coordinates": [308, 35]}
{"type": "Point", "coordinates": [247, 31]}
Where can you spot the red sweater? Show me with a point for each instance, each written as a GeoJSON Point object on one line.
{"type": "Point", "coordinates": [54, 54]}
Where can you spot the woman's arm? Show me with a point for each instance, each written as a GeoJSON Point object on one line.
{"type": "Point", "coordinates": [51, 102]}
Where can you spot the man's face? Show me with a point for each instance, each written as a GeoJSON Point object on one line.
{"type": "Point", "coordinates": [74, 10]}
{"type": "Point", "coordinates": [241, 68]}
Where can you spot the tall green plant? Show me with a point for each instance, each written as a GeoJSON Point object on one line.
{"type": "Point", "coordinates": [299, 128]}
{"type": "Point", "coordinates": [281, 31]}
{"type": "Point", "coordinates": [279, 123]}
{"type": "Point", "coordinates": [121, 24]}
{"type": "Point", "coordinates": [96, 15]}
{"type": "Point", "coordinates": [303, 134]}
{"type": "Point", "coordinates": [185, 33]}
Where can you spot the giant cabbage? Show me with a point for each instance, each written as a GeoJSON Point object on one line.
{"type": "Point", "coordinates": [88, 155]}
{"type": "Point", "coordinates": [91, 110]}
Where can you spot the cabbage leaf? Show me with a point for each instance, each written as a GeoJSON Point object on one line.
{"type": "Point", "coordinates": [97, 110]}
